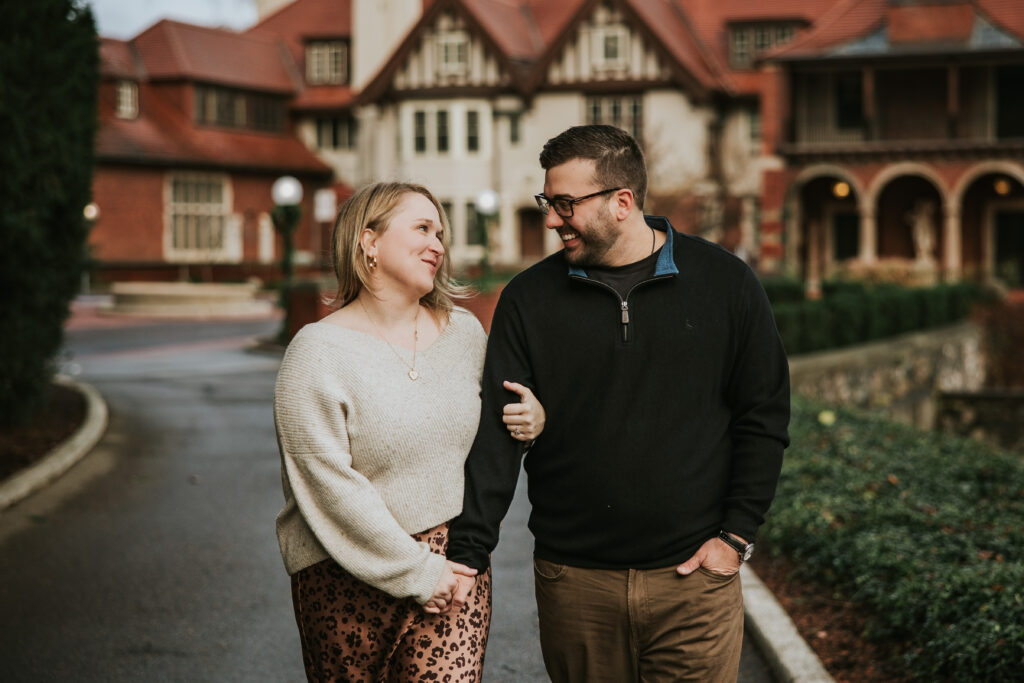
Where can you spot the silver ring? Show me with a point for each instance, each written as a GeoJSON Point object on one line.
{"type": "Point", "coordinates": [516, 431]}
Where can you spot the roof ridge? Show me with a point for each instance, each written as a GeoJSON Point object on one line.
{"type": "Point", "coordinates": [706, 55]}
{"type": "Point", "coordinates": [829, 17]}
{"type": "Point", "coordinates": [221, 32]}
{"type": "Point", "coordinates": [531, 25]}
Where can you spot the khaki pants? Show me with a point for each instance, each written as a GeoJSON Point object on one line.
{"type": "Point", "coordinates": [634, 625]}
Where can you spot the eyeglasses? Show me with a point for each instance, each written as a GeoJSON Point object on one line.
{"type": "Point", "coordinates": [563, 205]}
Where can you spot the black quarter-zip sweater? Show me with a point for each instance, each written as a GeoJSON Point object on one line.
{"type": "Point", "coordinates": [667, 411]}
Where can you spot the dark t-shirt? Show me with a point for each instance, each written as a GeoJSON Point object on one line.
{"type": "Point", "coordinates": [622, 278]}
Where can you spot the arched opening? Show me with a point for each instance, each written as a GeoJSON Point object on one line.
{"type": "Point", "coordinates": [993, 228]}
{"type": "Point", "coordinates": [909, 219]}
{"type": "Point", "coordinates": [829, 228]}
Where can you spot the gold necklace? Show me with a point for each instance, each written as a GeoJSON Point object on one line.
{"type": "Point", "coordinates": [413, 375]}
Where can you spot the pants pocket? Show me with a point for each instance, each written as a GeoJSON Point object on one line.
{"type": "Point", "coordinates": [548, 571]}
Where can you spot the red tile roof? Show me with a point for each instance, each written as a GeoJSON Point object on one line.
{"type": "Point", "coordinates": [302, 20]}
{"type": "Point", "coordinates": [164, 135]}
{"type": "Point", "coordinates": [674, 28]}
{"type": "Point", "coordinates": [1006, 14]}
{"type": "Point", "coordinates": [949, 23]}
{"type": "Point", "coordinates": [522, 29]}
{"type": "Point", "coordinates": [711, 19]}
{"type": "Point", "coordinates": [323, 97]}
{"type": "Point", "coordinates": [930, 23]}
{"type": "Point", "coordinates": [118, 60]}
{"type": "Point", "coordinates": [171, 50]}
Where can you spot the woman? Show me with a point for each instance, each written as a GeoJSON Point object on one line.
{"type": "Point", "coordinates": [376, 407]}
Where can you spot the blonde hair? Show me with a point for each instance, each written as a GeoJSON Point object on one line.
{"type": "Point", "coordinates": [371, 208]}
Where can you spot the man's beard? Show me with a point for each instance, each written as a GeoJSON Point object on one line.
{"type": "Point", "coordinates": [600, 236]}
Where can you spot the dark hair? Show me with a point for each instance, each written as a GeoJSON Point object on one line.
{"type": "Point", "coordinates": [618, 159]}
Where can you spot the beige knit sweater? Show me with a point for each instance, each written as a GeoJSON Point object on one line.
{"type": "Point", "coordinates": [369, 456]}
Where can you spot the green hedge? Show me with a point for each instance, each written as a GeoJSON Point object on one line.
{"type": "Point", "coordinates": [852, 313]}
{"type": "Point", "coordinates": [49, 66]}
{"type": "Point", "coordinates": [925, 530]}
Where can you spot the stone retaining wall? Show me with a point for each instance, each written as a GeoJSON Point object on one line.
{"type": "Point", "coordinates": [897, 377]}
{"type": "Point", "coordinates": [993, 415]}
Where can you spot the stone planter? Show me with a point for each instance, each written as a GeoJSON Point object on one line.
{"type": "Point", "coordinates": [188, 300]}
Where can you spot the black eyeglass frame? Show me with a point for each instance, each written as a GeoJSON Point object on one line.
{"type": "Point", "coordinates": [547, 203]}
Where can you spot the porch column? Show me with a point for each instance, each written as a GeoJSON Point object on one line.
{"type": "Point", "coordinates": [868, 247]}
{"type": "Point", "coordinates": [791, 226]}
{"type": "Point", "coordinates": [952, 259]}
{"type": "Point", "coordinates": [813, 259]}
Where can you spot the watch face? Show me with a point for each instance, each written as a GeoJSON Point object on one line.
{"type": "Point", "coordinates": [748, 552]}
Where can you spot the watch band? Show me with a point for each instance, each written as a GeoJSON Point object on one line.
{"type": "Point", "coordinates": [744, 550]}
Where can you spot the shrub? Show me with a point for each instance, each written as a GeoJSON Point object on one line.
{"type": "Point", "coordinates": [787, 320]}
{"type": "Point", "coordinates": [926, 530]}
{"type": "Point", "coordinates": [48, 82]}
{"type": "Point", "coordinates": [815, 325]}
{"type": "Point", "coordinates": [782, 290]}
{"type": "Point", "coordinates": [853, 313]}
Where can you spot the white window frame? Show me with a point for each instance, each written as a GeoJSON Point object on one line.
{"type": "Point", "coordinates": [326, 62]}
{"type": "Point", "coordinates": [453, 53]}
{"type": "Point", "coordinates": [741, 48]}
{"type": "Point", "coordinates": [601, 35]}
{"type": "Point", "coordinates": [127, 99]}
{"type": "Point", "coordinates": [339, 132]}
{"type": "Point", "coordinates": [196, 228]}
{"type": "Point", "coordinates": [474, 132]}
{"type": "Point", "coordinates": [630, 107]}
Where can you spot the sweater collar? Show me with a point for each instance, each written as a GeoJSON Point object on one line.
{"type": "Point", "coordinates": [666, 264]}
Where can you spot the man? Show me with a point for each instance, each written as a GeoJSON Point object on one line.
{"type": "Point", "coordinates": [666, 388]}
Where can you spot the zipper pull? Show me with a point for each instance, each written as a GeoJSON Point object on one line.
{"type": "Point", "coordinates": [625, 313]}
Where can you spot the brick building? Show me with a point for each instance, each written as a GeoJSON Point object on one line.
{"type": "Point", "coordinates": [813, 137]}
{"type": "Point", "coordinates": [194, 130]}
{"type": "Point", "coordinates": [900, 128]}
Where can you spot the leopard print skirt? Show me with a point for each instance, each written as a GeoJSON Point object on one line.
{"type": "Point", "coordinates": [353, 632]}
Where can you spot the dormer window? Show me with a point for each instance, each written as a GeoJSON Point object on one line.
{"type": "Point", "coordinates": [748, 40]}
{"type": "Point", "coordinates": [453, 52]}
{"type": "Point", "coordinates": [610, 46]}
{"type": "Point", "coordinates": [127, 99]}
{"type": "Point", "coordinates": [327, 62]}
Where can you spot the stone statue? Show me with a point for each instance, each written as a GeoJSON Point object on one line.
{"type": "Point", "coordinates": [922, 229]}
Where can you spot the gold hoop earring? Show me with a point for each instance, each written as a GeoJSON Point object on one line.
{"type": "Point", "coordinates": [371, 261]}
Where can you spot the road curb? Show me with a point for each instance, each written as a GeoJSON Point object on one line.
{"type": "Point", "coordinates": [63, 456]}
{"type": "Point", "coordinates": [792, 660]}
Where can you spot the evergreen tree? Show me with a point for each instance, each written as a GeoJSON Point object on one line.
{"type": "Point", "coordinates": [49, 62]}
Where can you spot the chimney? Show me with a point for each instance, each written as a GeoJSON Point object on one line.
{"type": "Point", "coordinates": [377, 27]}
{"type": "Point", "coordinates": [267, 7]}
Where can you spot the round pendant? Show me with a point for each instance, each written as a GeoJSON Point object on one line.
{"type": "Point", "coordinates": [413, 375]}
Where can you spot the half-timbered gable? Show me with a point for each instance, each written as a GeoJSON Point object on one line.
{"type": "Point", "coordinates": [449, 55]}
{"type": "Point", "coordinates": [606, 47]}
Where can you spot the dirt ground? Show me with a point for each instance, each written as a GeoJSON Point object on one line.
{"type": "Point", "coordinates": [831, 627]}
{"type": "Point", "coordinates": [23, 445]}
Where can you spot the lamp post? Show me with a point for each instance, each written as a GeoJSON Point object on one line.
{"type": "Point", "coordinates": [91, 214]}
{"type": "Point", "coordinates": [287, 194]}
{"type": "Point", "coordinates": [486, 204]}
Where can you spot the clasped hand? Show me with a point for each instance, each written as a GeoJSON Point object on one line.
{"type": "Point", "coordinates": [452, 589]}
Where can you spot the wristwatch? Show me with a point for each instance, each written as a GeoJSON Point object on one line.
{"type": "Point", "coordinates": [744, 550]}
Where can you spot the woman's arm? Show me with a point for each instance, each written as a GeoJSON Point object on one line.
{"type": "Point", "coordinates": [341, 507]}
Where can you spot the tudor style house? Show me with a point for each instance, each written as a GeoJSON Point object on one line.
{"type": "Point", "coordinates": [782, 130]}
